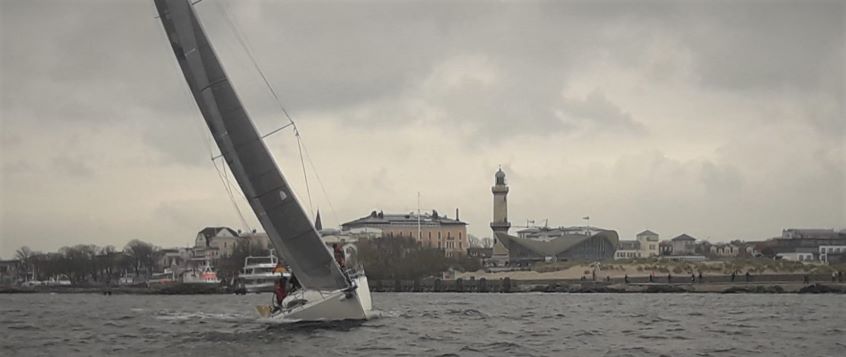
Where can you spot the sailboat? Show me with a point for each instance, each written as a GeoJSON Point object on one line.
{"type": "Point", "coordinates": [329, 292]}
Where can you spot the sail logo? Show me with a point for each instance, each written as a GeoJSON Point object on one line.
{"type": "Point", "coordinates": [282, 195]}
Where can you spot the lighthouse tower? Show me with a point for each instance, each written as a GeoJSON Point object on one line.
{"type": "Point", "coordinates": [500, 222]}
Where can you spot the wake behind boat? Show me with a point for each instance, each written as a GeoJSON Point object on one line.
{"type": "Point", "coordinates": [330, 293]}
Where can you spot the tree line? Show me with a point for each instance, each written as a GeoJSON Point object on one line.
{"type": "Point", "coordinates": [88, 262]}
{"type": "Point", "coordinates": [382, 258]}
{"type": "Point", "coordinates": [406, 259]}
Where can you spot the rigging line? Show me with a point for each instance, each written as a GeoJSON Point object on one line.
{"type": "Point", "coordinates": [245, 45]}
{"type": "Point", "coordinates": [226, 185]}
{"type": "Point", "coordinates": [262, 137]}
{"type": "Point", "coordinates": [320, 182]}
{"type": "Point", "coordinates": [243, 42]}
{"type": "Point", "coordinates": [305, 175]}
{"type": "Point", "coordinates": [234, 202]}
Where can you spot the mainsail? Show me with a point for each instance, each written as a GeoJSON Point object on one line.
{"type": "Point", "coordinates": [270, 197]}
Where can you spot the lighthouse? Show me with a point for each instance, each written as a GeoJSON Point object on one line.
{"type": "Point", "coordinates": [500, 222]}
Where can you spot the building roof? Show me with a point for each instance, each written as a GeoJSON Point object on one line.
{"type": "Point", "coordinates": [380, 218]}
{"type": "Point", "coordinates": [210, 232]}
{"type": "Point", "coordinates": [555, 246]}
{"type": "Point", "coordinates": [581, 230]}
{"type": "Point", "coordinates": [683, 237]}
{"type": "Point", "coordinates": [647, 232]}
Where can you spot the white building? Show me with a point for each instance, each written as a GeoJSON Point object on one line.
{"type": "Point", "coordinates": [796, 257]}
{"type": "Point", "coordinates": [648, 243]}
{"type": "Point", "coordinates": [725, 250]}
{"type": "Point", "coordinates": [628, 249]}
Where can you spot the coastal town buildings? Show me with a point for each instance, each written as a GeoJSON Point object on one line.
{"type": "Point", "coordinates": [804, 233]}
{"type": "Point", "coordinates": [724, 250]}
{"type": "Point", "coordinates": [215, 242]}
{"type": "Point", "coordinates": [539, 244]}
{"type": "Point", "coordinates": [648, 241]}
{"type": "Point", "coordinates": [332, 236]}
{"type": "Point", "coordinates": [595, 244]}
{"type": "Point", "coordinates": [628, 249]}
{"type": "Point", "coordinates": [683, 245]}
{"type": "Point", "coordinates": [793, 240]}
{"type": "Point", "coordinates": [796, 257]}
{"type": "Point", "coordinates": [832, 254]}
{"type": "Point", "coordinates": [646, 245]}
{"type": "Point", "coordinates": [430, 229]}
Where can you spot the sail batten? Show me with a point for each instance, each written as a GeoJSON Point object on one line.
{"type": "Point", "coordinates": [264, 186]}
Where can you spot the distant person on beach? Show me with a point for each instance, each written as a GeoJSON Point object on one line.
{"type": "Point", "coordinates": [608, 278]}
{"type": "Point", "coordinates": [652, 277]}
{"type": "Point", "coordinates": [700, 276]}
{"type": "Point", "coordinates": [692, 278]}
{"type": "Point", "coordinates": [833, 276]}
{"type": "Point", "coordinates": [669, 278]}
{"type": "Point", "coordinates": [626, 278]}
{"type": "Point", "coordinates": [806, 280]}
{"type": "Point", "coordinates": [840, 276]}
{"type": "Point", "coordinates": [748, 276]}
{"type": "Point", "coordinates": [733, 275]}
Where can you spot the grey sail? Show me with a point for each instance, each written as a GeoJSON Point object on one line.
{"type": "Point", "coordinates": [269, 195]}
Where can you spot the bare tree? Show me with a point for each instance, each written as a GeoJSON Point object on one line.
{"type": "Point", "coordinates": [142, 255]}
{"type": "Point", "coordinates": [25, 255]}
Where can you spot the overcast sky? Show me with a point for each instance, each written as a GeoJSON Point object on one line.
{"type": "Point", "coordinates": [722, 120]}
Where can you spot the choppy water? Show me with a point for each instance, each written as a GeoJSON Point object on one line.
{"type": "Point", "coordinates": [432, 325]}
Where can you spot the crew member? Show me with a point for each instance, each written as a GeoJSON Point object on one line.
{"type": "Point", "coordinates": [339, 256]}
{"type": "Point", "coordinates": [280, 291]}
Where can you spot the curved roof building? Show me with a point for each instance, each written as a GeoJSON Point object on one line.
{"type": "Point", "coordinates": [598, 244]}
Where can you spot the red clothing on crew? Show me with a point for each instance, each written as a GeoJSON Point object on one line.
{"type": "Point", "coordinates": [280, 292]}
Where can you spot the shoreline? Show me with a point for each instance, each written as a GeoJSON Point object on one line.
{"type": "Point", "coordinates": [494, 286]}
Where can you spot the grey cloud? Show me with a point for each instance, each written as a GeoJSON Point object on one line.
{"type": "Point", "coordinates": [72, 167]}
{"type": "Point", "coordinates": [721, 180]}
{"type": "Point", "coordinates": [599, 114]}
{"type": "Point", "coordinates": [486, 73]}
{"type": "Point", "coordinates": [765, 46]}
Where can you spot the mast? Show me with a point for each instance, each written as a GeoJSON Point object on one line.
{"type": "Point", "coordinates": [264, 186]}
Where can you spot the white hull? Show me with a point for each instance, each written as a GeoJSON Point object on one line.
{"type": "Point", "coordinates": [329, 306]}
{"type": "Point", "coordinates": [259, 288]}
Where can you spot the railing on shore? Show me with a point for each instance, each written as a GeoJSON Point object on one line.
{"type": "Point", "coordinates": [635, 284]}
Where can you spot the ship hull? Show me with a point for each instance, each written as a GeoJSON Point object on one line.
{"type": "Point", "coordinates": [355, 304]}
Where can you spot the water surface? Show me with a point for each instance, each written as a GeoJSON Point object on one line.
{"type": "Point", "coordinates": [432, 325]}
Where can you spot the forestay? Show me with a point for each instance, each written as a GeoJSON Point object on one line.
{"type": "Point", "coordinates": [270, 196]}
